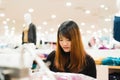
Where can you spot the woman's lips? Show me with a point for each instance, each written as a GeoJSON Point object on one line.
{"type": "Point", "coordinates": [65, 47]}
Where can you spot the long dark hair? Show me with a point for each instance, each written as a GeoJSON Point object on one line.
{"type": "Point", "coordinates": [70, 30]}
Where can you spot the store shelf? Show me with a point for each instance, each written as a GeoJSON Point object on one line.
{"type": "Point", "coordinates": [114, 67]}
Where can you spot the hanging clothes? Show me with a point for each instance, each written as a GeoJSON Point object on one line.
{"type": "Point", "coordinates": [116, 28]}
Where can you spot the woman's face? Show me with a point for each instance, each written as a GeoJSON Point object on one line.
{"type": "Point", "coordinates": [65, 43]}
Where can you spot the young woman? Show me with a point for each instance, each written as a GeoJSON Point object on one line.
{"type": "Point", "coordinates": [70, 55]}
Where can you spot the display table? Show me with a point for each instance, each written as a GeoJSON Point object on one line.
{"type": "Point", "coordinates": [103, 71]}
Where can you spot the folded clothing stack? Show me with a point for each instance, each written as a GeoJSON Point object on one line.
{"type": "Point", "coordinates": [111, 61]}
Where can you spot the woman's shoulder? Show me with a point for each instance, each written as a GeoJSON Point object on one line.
{"type": "Point", "coordinates": [88, 55]}
{"type": "Point", "coordinates": [89, 58]}
{"type": "Point", "coordinates": [51, 55]}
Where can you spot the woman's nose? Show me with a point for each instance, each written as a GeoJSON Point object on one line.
{"type": "Point", "coordinates": [65, 43]}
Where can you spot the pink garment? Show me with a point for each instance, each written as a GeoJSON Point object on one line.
{"type": "Point", "coordinates": [103, 47]}
{"type": "Point", "coordinates": [72, 76]}
{"type": "Point", "coordinates": [61, 76]}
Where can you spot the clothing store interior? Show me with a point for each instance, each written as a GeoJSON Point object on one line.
{"type": "Point", "coordinates": [59, 39]}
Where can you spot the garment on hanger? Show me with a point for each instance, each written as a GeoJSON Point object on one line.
{"type": "Point", "coordinates": [116, 28]}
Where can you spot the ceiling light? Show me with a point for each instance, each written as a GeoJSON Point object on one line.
{"type": "Point", "coordinates": [53, 16]}
{"type": "Point", "coordinates": [8, 19]}
{"type": "Point", "coordinates": [102, 6]}
{"type": "Point", "coordinates": [13, 21]}
{"type": "Point", "coordinates": [24, 25]}
{"type": "Point", "coordinates": [51, 29]}
{"type": "Point", "coordinates": [81, 30]}
{"type": "Point", "coordinates": [44, 23]}
{"type": "Point", "coordinates": [106, 8]}
{"type": "Point", "coordinates": [107, 19]}
{"type": "Point", "coordinates": [4, 22]}
{"type": "Point", "coordinates": [87, 11]}
{"type": "Point", "coordinates": [68, 3]}
{"type": "Point", "coordinates": [92, 26]}
{"type": "Point", "coordinates": [31, 10]}
{"type": "Point", "coordinates": [2, 14]}
{"type": "Point", "coordinates": [13, 28]}
{"type": "Point", "coordinates": [82, 23]}
{"type": "Point", "coordinates": [70, 19]}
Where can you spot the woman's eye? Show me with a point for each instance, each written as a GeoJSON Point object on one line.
{"type": "Point", "coordinates": [60, 40]}
{"type": "Point", "coordinates": [68, 39]}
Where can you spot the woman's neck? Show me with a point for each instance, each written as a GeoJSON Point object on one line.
{"type": "Point", "coordinates": [66, 53]}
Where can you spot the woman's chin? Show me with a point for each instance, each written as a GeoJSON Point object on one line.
{"type": "Point", "coordinates": [66, 50]}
